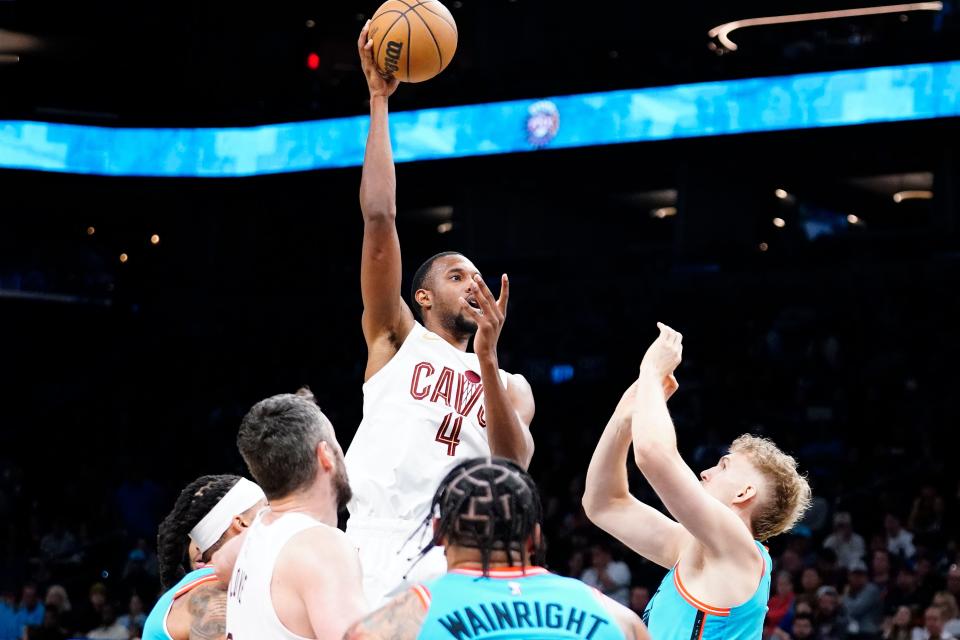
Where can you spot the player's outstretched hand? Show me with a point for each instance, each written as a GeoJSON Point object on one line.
{"type": "Point", "coordinates": [379, 83]}
{"type": "Point", "coordinates": [664, 356]}
{"type": "Point", "coordinates": [490, 316]}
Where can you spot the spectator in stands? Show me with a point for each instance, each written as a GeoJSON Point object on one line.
{"type": "Point", "coordinates": [8, 616]}
{"type": "Point", "coordinates": [863, 602]}
{"type": "Point", "coordinates": [51, 629]}
{"type": "Point", "coordinates": [110, 628]}
{"type": "Point", "coordinates": [847, 545]}
{"type": "Point", "coordinates": [928, 580]}
{"type": "Point", "coordinates": [933, 620]}
{"type": "Point", "coordinates": [927, 514]}
{"type": "Point", "coordinates": [780, 603]}
{"type": "Point", "coordinates": [802, 628]}
{"type": "Point", "coordinates": [639, 599]}
{"type": "Point", "coordinates": [900, 626]}
{"type": "Point", "coordinates": [30, 611]}
{"type": "Point", "coordinates": [810, 582]}
{"type": "Point", "coordinates": [953, 581]}
{"type": "Point", "coordinates": [135, 616]}
{"type": "Point", "coordinates": [951, 613]}
{"type": "Point", "coordinates": [880, 569]}
{"type": "Point", "coordinates": [791, 562]}
{"type": "Point", "coordinates": [899, 540]}
{"type": "Point", "coordinates": [609, 576]}
{"type": "Point", "coordinates": [90, 615]}
{"type": "Point", "coordinates": [904, 593]}
{"type": "Point", "coordinates": [58, 601]}
{"type": "Point", "coordinates": [830, 618]}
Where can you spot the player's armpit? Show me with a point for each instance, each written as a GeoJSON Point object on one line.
{"type": "Point", "coordinates": [399, 619]}
{"type": "Point", "coordinates": [208, 613]}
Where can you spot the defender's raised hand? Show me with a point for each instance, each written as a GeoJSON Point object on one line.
{"type": "Point", "coordinates": [490, 316]}
{"type": "Point", "coordinates": [380, 84]}
{"type": "Point", "coordinates": [664, 355]}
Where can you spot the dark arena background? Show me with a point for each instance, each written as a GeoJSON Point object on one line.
{"type": "Point", "coordinates": [813, 268]}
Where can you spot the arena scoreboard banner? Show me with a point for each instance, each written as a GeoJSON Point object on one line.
{"type": "Point", "coordinates": [833, 99]}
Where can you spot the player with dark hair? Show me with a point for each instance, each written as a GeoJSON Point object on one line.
{"type": "Point", "coordinates": [488, 522]}
{"type": "Point", "coordinates": [210, 511]}
{"type": "Point", "coordinates": [294, 575]}
{"type": "Point", "coordinates": [428, 402]}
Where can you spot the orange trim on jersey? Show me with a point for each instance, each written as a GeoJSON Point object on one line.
{"type": "Point", "coordinates": [503, 573]}
{"type": "Point", "coordinates": [706, 608]}
{"type": "Point", "coordinates": [424, 594]}
{"type": "Point", "coordinates": [196, 583]}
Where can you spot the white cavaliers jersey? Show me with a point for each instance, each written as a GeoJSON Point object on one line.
{"type": "Point", "coordinates": [422, 413]}
{"type": "Point", "coordinates": [250, 612]}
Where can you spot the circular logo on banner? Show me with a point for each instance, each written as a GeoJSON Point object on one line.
{"type": "Point", "coordinates": [543, 123]}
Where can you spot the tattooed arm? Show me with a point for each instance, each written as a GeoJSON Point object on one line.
{"type": "Point", "coordinates": [399, 619]}
{"type": "Point", "coordinates": [208, 613]}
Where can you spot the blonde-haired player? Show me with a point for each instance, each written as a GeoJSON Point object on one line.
{"type": "Point", "coordinates": [719, 579]}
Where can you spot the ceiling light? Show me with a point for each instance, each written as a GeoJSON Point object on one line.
{"type": "Point", "coordinates": [664, 212]}
{"type": "Point", "coordinates": [723, 31]}
{"type": "Point", "coordinates": [852, 219]}
{"type": "Point", "coordinates": [781, 193]}
{"type": "Point", "coordinates": [779, 223]}
{"type": "Point", "coordinates": [919, 194]}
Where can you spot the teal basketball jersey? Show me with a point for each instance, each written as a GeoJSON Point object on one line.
{"type": "Point", "coordinates": [155, 628]}
{"type": "Point", "coordinates": [513, 604]}
{"type": "Point", "coordinates": [673, 614]}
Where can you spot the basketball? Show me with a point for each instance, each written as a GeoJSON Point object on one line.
{"type": "Point", "coordinates": [413, 40]}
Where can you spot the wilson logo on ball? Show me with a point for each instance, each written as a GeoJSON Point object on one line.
{"type": "Point", "coordinates": [393, 56]}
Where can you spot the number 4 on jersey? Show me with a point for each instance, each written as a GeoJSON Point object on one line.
{"type": "Point", "coordinates": [452, 425]}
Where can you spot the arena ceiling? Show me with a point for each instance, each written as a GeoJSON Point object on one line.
{"type": "Point", "coordinates": [218, 63]}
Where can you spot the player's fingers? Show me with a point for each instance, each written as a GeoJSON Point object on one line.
{"type": "Point", "coordinates": [504, 294]}
{"type": "Point", "coordinates": [484, 295]}
{"type": "Point", "coordinates": [362, 40]}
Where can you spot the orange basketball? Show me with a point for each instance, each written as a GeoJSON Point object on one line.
{"type": "Point", "coordinates": [413, 40]}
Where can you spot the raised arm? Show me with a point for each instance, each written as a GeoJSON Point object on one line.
{"type": "Point", "coordinates": [508, 407]}
{"type": "Point", "coordinates": [712, 523]}
{"type": "Point", "coordinates": [607, 499]}
{"type": "Point", "coordinates": [386, 318]}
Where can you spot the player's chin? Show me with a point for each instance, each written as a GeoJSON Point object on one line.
{"type": "Point", "coordinates": [466, 324]}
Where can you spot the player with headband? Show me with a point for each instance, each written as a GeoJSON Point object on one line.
{"type": "Point", "coordinates": [210, 511]}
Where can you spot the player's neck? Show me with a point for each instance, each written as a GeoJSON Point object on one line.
{"type": "Point", "coordinates": [316, 502]}
{"type": "Point", "coordinates": [457, 339]}
{"type": "Point", "coordinates": [467, 558]}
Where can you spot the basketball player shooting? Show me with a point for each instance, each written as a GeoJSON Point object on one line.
{"type": "Point", "coordinates": [489, 519]}
{"type": "Point", "coordinates": [427, 401]}
{"type": "Point", "coordinates": [719, 578]}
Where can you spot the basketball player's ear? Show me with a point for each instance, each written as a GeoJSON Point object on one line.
{"type": "Point", "coordinates": [423, 298]}
{"type": "Point", "coordinates": [325, 456]}
{"type": "Point", "coordinates": [745, 494]}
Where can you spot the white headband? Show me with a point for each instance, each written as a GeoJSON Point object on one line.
{"type": "Point", "coordinates": [241, 497]}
